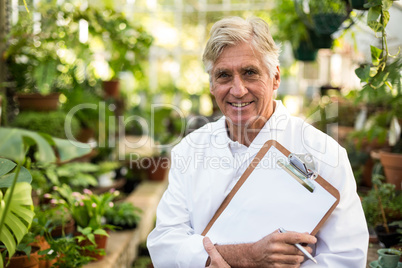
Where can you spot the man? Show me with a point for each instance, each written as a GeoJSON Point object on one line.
{"type": "Point", "coordinates": [242, 61]}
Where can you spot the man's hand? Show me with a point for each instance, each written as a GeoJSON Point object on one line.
{"type": "Point", "coordinates": [216, 259]}
{"type": "Point", "coordinates": [274, 250]}
{"type": "Point", "coordinates": [278, 250]}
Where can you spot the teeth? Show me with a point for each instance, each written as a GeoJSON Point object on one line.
{"type": "Point", "coordinates": [240, 104]}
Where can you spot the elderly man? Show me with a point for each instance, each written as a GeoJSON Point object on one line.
{"type": "Point", "coordinates": [242, 60]}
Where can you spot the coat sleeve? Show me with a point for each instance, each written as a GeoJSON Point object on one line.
{"type": "Point", "coordinates": [173, 242]}
{"type": "Point", "coordinates": [343, 239]}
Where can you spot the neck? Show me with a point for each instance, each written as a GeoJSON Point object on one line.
{"type": "Point", "coordinates": [245, 134]}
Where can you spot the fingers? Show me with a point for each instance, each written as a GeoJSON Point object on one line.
{"type": "Point", "coordinates": [216, 259]}
{"type": "Point", "coordinates": [209, 247]}
{"type": "Point", "coordinates": [295, 237]}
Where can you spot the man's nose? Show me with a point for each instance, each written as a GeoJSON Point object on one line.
{"type": "Point", "coordinates": [238, 88]}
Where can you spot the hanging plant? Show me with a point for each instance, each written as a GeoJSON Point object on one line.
{"type": "Point", "coordinates": [381, 77]}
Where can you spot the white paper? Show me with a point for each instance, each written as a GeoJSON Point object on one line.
{"type": "Point", "coordinates": [270, 198]}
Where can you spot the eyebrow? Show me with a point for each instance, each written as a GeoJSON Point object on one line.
{"type": "Point", "coordinates": [219, 71]}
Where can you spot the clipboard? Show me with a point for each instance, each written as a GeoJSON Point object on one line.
{"type": "Point", "coordinates": [268, 196]}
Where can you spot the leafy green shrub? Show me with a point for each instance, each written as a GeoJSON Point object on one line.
{"type": "Point", "coordinates": [391, 201]}
{"type": "Point", "coordinates": [124, 215]}
{"type": "Point", "coordinates": [51, 123]}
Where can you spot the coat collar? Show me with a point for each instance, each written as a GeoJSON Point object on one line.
{"type": "Point", "coordinates": [278, 122]}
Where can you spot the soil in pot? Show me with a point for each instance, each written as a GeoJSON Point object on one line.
{"type": "Point", "coordinates": [388, 239]}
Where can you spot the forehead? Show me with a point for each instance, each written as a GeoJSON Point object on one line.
{"type": "Point", "coordinates": [238, 56]}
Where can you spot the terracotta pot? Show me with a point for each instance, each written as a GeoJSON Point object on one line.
{"type": "Point", "coordinates": [100, 241]}
{"type": "Point", "coordinates": [111, 88]}
{"type": "Point", "coordinates": [392, 164]}
{"type": "Point", "coordinates": [85, 134]}
{"type": "Point", "coordinates": [43, 244]}
{"type": "Point", "coordinates": [38, 102]}
{"type": "Point", "coordinates": [68, 229]}
{"type": "Point", "coordinates": [157, 168]}
{"type": "Point", "coordinates": [23, 261]}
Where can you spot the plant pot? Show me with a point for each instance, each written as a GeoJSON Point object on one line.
{"type": "Point", "coordinates": [305, 52]}
{"type": "Point", "coordinates": [85, 134]}
{"type": "Point", "coordinates": [358, 4]}
{"type": "Point", "coordinates": [68, 230]}
{"type": "Point", "coordinates": [43, 245]}
{"type": "Point", "coordinates": [388, 239]}
{"type": "Point", "coordinates": [38, 102]}
{"type": "Point", "coordinates": [22, 261]}
{"type": "Point", "coordinates": [157, 168]}
{"type": "Point", "coordinates": [327, 23]}
{"type": "Point", "coordinates": [111, 88]}
{"type": "Point", "coordinates": [100, 241]}
{"type": "Point", "coordinates": [392, 164]}
{"type": "Point", "coordinates": [320, 40]}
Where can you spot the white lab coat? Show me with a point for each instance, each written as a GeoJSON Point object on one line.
{"type": "Point", "coordinates": [204, 170]}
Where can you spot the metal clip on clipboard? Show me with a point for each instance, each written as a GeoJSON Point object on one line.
{"type": "Point", "coordinates": [301, 171]}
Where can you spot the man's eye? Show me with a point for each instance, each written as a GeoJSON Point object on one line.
{"type": "Point", "coordinates": [223, 75]}
{"type": "Point", "coordinates": [250, 72]}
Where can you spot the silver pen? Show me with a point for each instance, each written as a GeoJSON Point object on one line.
{"type": "Point", "coordinates": [302, 249]}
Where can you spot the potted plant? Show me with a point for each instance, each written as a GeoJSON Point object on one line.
{"type": "Point", "coordinates": [88, 210]}
{"type": "Point", "coordinates": [328, 16]}
{"type": "Point", "coordinates": [52, 123]}
{"type": "Point", "coordinates": [33, 63]}
{"type": "Point", "coordinates": [123, 215]}
{"type": "Point", "coordinates": [290, 27]}
{"type": "Point", "coordinates": [66, 252]}
{"type": "Point", "coordinates": [15, 189]}
{"type": "Point", "coordinates": [383, 205]}
{"type": "Point", "coordinates": [126, 45]}
{"type": "Point", "coordinates": [26, 254]}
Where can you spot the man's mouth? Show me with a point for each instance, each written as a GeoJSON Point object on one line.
{"type": "Point", "coordinates": [241, 104]}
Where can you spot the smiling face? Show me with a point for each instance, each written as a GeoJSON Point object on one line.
{"type": "Point", "coordinates": [242, 87]}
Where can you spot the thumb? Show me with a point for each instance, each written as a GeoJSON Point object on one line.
{"type": "Point", "coordinates": [210, 248]}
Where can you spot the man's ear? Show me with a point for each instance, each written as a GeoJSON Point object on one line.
{"type": "Point", "coordinates": [277, 78]}
{"type": "Point", "coordinates": [211, 88]}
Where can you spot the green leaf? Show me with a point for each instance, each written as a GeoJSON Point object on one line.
{"type": "Point", "coordinates": [101, 232]}
{"type": "Point", "coordinates": [7, 180]}
{"type": "Point", "coordinates": [68, 149]}
{"type": "Point", "coordinates": [91, 238]}
{"type": "Point", "coordinates": [13, 141]}
{"type": "Point", "coordinates": [18, 227]}
{"type": "Point", "coordinates": [385, 18]}
{"type": "Point", "coordinates": [27, 251]}
{"type": "Point", "coordinates": [44, 252]}
{"type": "Point", "coordinates": [51, 174]}
{"type": "Point", "coordinates": [373, 71]}
{"type": "Point", "coordinates": [373, 3]}
{"type": "Point", "coordinates": [11, 145]}
{"type": "Point", "coordinates": [363, 73]}
{"type": "Point", "coordinates": [388, 84]}
{"type": "Point", "coordinates": [6, 166]}
{"type": "Point", "coordinates": [380, 79]}
{"type": "Point", "coordinates": [8, 240]}
{"type": "Point", "coordinates": [373, 17]}
{"type": "Point", "coordinates": [375, 55]}
{"type": "Point", "coordinates": [386, 4]}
